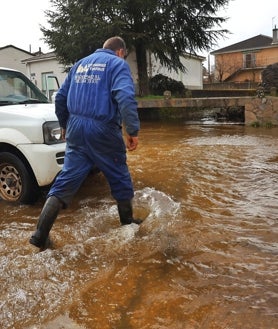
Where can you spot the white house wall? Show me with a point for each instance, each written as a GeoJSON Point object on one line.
{"type": "Point", "coordinates": [36, 69]}
{"type": "Point", "coordinates": [192, 78]}
{"type": "Point", "coordinates": [11, 57]}
{"type": "Point", "coordinates": [131, 59]}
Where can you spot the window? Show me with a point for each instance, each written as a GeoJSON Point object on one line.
{"type": "Point", "coordinates": [49, 84]}
{"type": "Point", "coordinates": [249, 60]}
{"type": "Point", "coordinates": [46, 83]}
{"type": "Point", "coordinates": [15, 88]}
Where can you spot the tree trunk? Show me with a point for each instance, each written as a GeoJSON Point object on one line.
{"type": "Point", "coordinates": [143, 80]}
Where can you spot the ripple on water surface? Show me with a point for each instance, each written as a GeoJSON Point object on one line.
{"type": "Point", "coordinates": [205, 256]}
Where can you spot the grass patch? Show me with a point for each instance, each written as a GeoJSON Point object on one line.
{"type": "Point", "coordinates": [257, 124]}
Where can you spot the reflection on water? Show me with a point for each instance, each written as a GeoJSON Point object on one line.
{"type": "Point", "coordinates": [205, 256]}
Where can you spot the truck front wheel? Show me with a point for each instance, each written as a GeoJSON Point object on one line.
{"type": "Point", "coordinates": [17, 183]}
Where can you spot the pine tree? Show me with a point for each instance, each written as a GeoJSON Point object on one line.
{"type": "Point", "coordinates": [166, 28]}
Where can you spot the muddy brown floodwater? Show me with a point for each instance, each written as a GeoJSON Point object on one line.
{"type": "Point", "coordinates": [205, 256]}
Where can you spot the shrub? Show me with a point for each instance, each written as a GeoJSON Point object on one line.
{"type": "Point", "coordinates": [159, 83]}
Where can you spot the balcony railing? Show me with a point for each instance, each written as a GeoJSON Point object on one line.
{"type": "Point", "coordinates": [259, 63]}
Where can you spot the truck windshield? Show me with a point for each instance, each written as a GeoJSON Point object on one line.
{"type": "Point", "coordinates": [16, 88]}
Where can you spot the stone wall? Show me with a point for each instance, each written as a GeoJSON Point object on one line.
{"type": "Point", "coordinates": [263, 111]}
{"type": "Point", "coordinates": [255, 110]}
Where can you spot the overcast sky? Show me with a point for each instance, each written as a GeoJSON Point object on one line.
{"type": "Point", "coordinates": [20, 22]}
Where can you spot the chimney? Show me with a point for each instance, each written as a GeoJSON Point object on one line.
{"type": "Point", "coordinates": [275, 35]}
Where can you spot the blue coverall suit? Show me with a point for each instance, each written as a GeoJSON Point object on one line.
{"type": "Point", "coordinates": [95, 98]}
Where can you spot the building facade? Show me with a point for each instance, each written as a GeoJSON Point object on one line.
{"type": "Point", "coordinates": [11, 57]}
{"type": "Point", "coordinates": [245, 61]}
{"type": "Point", "coordinates": [45, 72]}
{"type": "Point", "coordinates": [41, 68]}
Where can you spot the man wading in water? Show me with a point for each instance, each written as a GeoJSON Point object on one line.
{"type": "Point", "coordinates": [95, 98]}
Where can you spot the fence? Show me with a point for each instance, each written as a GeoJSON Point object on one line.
{"type": "Point", "coordinates": [230, 85]}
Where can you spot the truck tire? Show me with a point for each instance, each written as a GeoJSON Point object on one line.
{"type": "Point", "coordinates": [17, 182]}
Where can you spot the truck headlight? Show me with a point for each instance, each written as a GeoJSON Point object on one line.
{"type": "Point", "coordinates": [52, 132]}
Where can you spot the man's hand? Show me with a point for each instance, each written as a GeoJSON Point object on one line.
{"type": "Point", "coordinates": [63, 134]}
{"type": "Point", "coordinates": [131, 143]}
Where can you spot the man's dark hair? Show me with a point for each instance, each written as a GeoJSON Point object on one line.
{"type": "Point", "coordinates": [114, 43]}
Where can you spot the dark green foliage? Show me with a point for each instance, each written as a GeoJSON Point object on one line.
{"type": "Point", "coordinates": [159, 83]}
{"type": "Point", "coordinates": [270, 77]}
{"type": "Point", "coordinates": [166, 28]}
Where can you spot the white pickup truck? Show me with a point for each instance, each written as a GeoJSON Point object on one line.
{"type": "Point", "coordinates": [31, 148]}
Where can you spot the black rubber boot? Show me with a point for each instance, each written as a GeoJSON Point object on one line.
{"type": "Point", "coordinates": [126, 213]}
{"type": "Point", "coordinates": [47, 217]}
